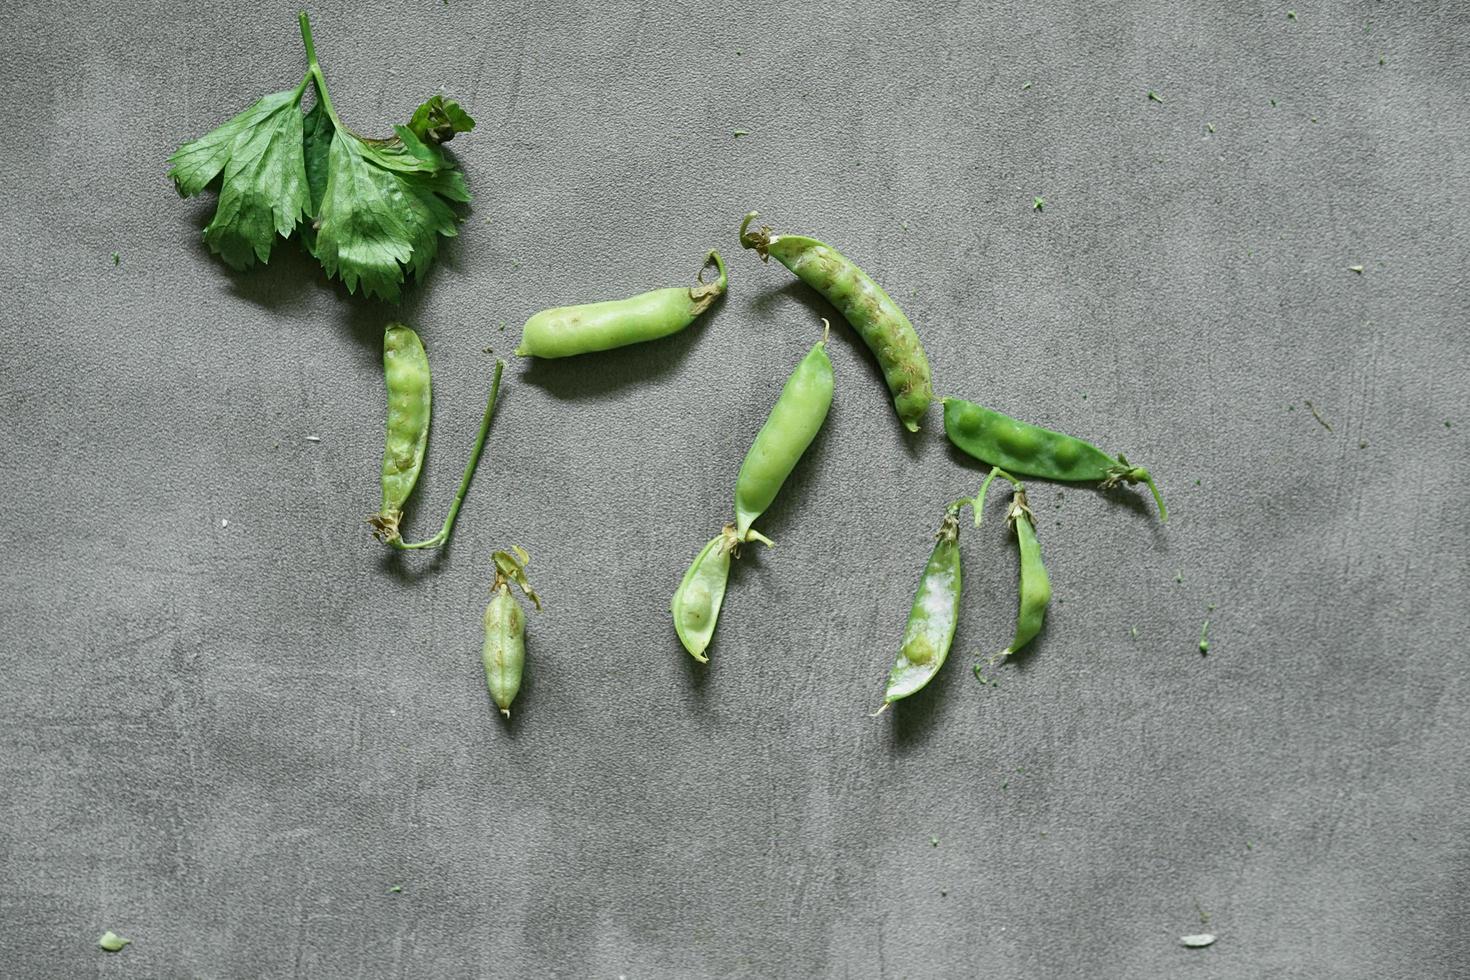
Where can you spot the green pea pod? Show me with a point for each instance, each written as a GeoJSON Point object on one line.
{"type": "Point", "coordinates": [406, 373]}
{"type": "Point", "coordinates": [1035, 589]}
{"type": "Point", "coordinates": [933, 615]}
{"type": "Point", "coordinates": [794, 421]}
{"type": "Point", "coordinates": [569, 330]}
{"type": "Point", "coordinates": [697, 601]}
{"type": "Point", "coordinates": [864, 304]}
{"type": "Point", "coordinates": [1030, 450]}
{"type": "Point", "coordinates": [505, 629]}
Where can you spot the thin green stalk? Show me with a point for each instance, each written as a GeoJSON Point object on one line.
{"type": "Point", "coordinates": [978, 503]}
{"type": "Point", "coordinates": [469, 470]}
{"type": "Point", "coordinates": [314, 70]}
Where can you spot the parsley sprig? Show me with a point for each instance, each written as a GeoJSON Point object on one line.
{"type": "Point", "coordinates": [370, 210]}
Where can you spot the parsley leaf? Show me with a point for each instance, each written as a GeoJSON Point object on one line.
{"type": "Point", "coordinates": [376, 207]}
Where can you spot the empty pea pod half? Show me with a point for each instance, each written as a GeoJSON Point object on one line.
{"type": "Point", "coordinates": [1030, 450]}
{"type": "Point", "coordinates": [568, 330]}
{"type": "Point", "coordinates": [410, 400]}
{"type": "Point", "coordinates": [864, 304]}
{"type": "Point", "coordinates": [504, 652]}
{"type": "Point", "coordinates": [932, 618]}
{"type": "Point", "coordinates": [790, 428]}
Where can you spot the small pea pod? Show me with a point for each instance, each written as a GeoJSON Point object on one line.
{"type": "Point", "coordinates": [790, 428]}
{"type": "Point", "coordinates": [568, 330]}
{"type": "Point", "coordinates": [406, 373]}
{"type": "Point", "coordinates": [1035, 588]}
{"type": "Point", "coordinates": [933, 615]}
{"type": "Point", "coordinates": [505, 628]}
{"type": "Point", "coordinates": [697, 601]}
{"type": "Point", "coordinates": [864, 304]}
{"type": "Point", "coordinates": [1031, 450]}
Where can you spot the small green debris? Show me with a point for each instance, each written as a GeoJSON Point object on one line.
{"type": "Point", "coordinates": [1134, 631]}
{"type": "Point", "coordinates": [1155, 97]}
{"type": "Point", "coordinates": [1197, 942]}
{"type": "Point", "coordinates": [1196, 483]}
{"type": "Point", "coordinates": [1249, 846]}
{"type": "Point", "coordinates": [1448, 424]}
{"type": "Point", "coordinates": [980, 676]}
{"type": "Point", "coordinates": [1204, 643]}
{"type": "Point", "coordinates": [741, 132]}
{"type": "Point", "coordinates": [1291, 15]}
{"type": "Point", "coordinates": [1210, 127]}
{"type": "Point", "coordinates": [1314, 119]}
{"type": "Point", "coordinates": [1038, 203]}
{"type": "Point", "coordinates": [117, 258]}
{"type": "Point", "coordinates": [738, 52]}
{"type": "Point", "coordinates": [1273, 103]}
{"type": "Point", "coordinates": [1005, 785]}
{"type": "Point", "coordinates": [1318, 415]}
{"type": "Point", "coordinates": [933, 841]}
{"type": "Point", "coordinates": [112, 942]}
{"type": "Point", "coordinates": [1204, 917]}
{"type": "Point", "coordinates": [395, 890]}
{"type": "Point", "coordinates": [1363, 444]}
{"type": "Point", "coordinates": [1381, 60]}
{"type": "Point", "coordinates": [1356, 268]}
{"type": "Point", "coordinates": [1026, 87]}
{"type": "Point", "coordinates": [1179, 576]}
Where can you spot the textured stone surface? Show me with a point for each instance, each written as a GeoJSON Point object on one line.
{"type": "Point", "coordinates": [228, 741]}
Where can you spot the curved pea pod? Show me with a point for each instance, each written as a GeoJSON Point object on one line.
{"type": "Point", "coordinates": [864, 304]}
{"type": "Point", "coordinates": [1030, 450]}
{"type": "Point", "coordinates": [697, 601]}
{"type": "Point", "coordinates": [1035, 587]}
{"type": "Point", "coordinates": [932, 617]}
{"type": "Point", "coordinates": [406, 374]}
{"type": "Point", "coordinates": [793, 423]}
{"type": "Point", "coordinates": [568, 330]}
{"type": "Point", "coordinates": [505, 629]}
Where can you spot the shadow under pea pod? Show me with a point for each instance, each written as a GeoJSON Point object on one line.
{"type": "Point", "coordinates": [566, 331]}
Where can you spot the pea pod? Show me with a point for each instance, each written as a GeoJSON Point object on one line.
{"type": "Point", "coordinates": [505, 628]}
{"type": "Point", "coordinates": [1030, 450]}
{"type": "Point", "coordinates": [406, 374]}
{"type": "Point", "coordinates": [794, 421]}
{"type": "Point", "coordinates": [568, 330]}
{"type": "Point", "coordinates": [696, 605]}
{"type": "Point", "coordinates": [933, 615]}
{"type": "Point", "coordinates": [1035, 588]}
{"type": "Point", "coordinates": [864, 304]}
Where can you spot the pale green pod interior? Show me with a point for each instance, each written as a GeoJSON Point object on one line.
{"type": "Point", "coordinates": [697, 601]}
{"type": "Point", "coordinates": [410, 393]}
{"type": "Point", "coordinates": [932, 618]}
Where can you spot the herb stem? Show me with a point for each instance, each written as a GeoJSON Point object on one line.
{"type": "Point", "coordinates": [469, 470]}
{"type": "Point", "coordinates": [314, 71]}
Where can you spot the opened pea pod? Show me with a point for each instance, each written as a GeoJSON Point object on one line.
{"type": "Point", "coordinates": [1031, 450]}
{"type": "Point", "coordinates": [410, 400]}
{"type": "Point", "coordinates": [568, 330]}
{"type": "Point", "coordinates": [864, 304]}
{"type": "Point", "coordinates": [933, 615]}
{"type": "Point", "coordinates": [790, 428]}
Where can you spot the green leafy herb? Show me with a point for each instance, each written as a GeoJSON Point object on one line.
{"type": "Point", "coordinates": [370, 210]}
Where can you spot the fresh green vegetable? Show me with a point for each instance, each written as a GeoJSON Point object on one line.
{"type": "Point", "coordinates": [697, 601]}
{"type": "Point", "coordinates": [933, 615]}
{"type": "Point", "coordinates": [505, 628]}
{"type": "Point", "coordinates": [790, 428]}
{"type": "Point", "coordinates": [870, 311]}
{"type": "Point", "coordinates": [1030, 450]}
{"type": "Point", "coordinates": [1035, 587]}
{"type": "Point", "coordinates": [406, 374]}
{"type": "Point", "coordinates": [369, 209]}
{"type": "Point", "coordinates": [569, 330]}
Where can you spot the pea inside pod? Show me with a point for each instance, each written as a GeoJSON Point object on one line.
{"type": "Point", "coordinates": [568, 330]}
{"type": "Point", "coordinates": [504, 652]}
{"type": "Point", "coordinates": [406, 375]}
{"type": "Point", "coordinates": [1031, 450]}
{"type": "Point", "coordinates": [793, 423]}
{"type": "Point", "coordinates": [864, 304]}
{"type": "Point", "coordinates": [932, 617]}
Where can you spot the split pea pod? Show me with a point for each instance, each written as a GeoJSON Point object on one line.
{"type": "Point", "coordinates": [696, 605]}
{"type": "Point", "coordinates": [932, 617]}
{"type": "Point", "coordinates": [790, 428]}
{"type": "Point", "coordinates": [1030, 450]}
{"type": "Point", "coordinates": [406, 374]}
{"type": "Point", "coordinates": [505, 628]}
{"type": "Point", "coordinates": [568, 330]}
{"type": "Point", "coordinates": [1035, 587]}
{"type": "Point", "coordinates": [864, 304]}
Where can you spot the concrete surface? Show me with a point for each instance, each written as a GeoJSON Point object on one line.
{"type": "Point", "coordinates": [230, 723]}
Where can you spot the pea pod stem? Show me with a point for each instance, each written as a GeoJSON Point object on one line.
{"type": "Point", "coordinates": [977, 505]}
{"type": "Point", "coordinates": [469, 473]}
{"type": "Point", "coordinates": [1126, 472]}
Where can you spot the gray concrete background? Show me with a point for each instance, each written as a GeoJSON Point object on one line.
{"type": "Point", "coordinates": [228, 742]}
